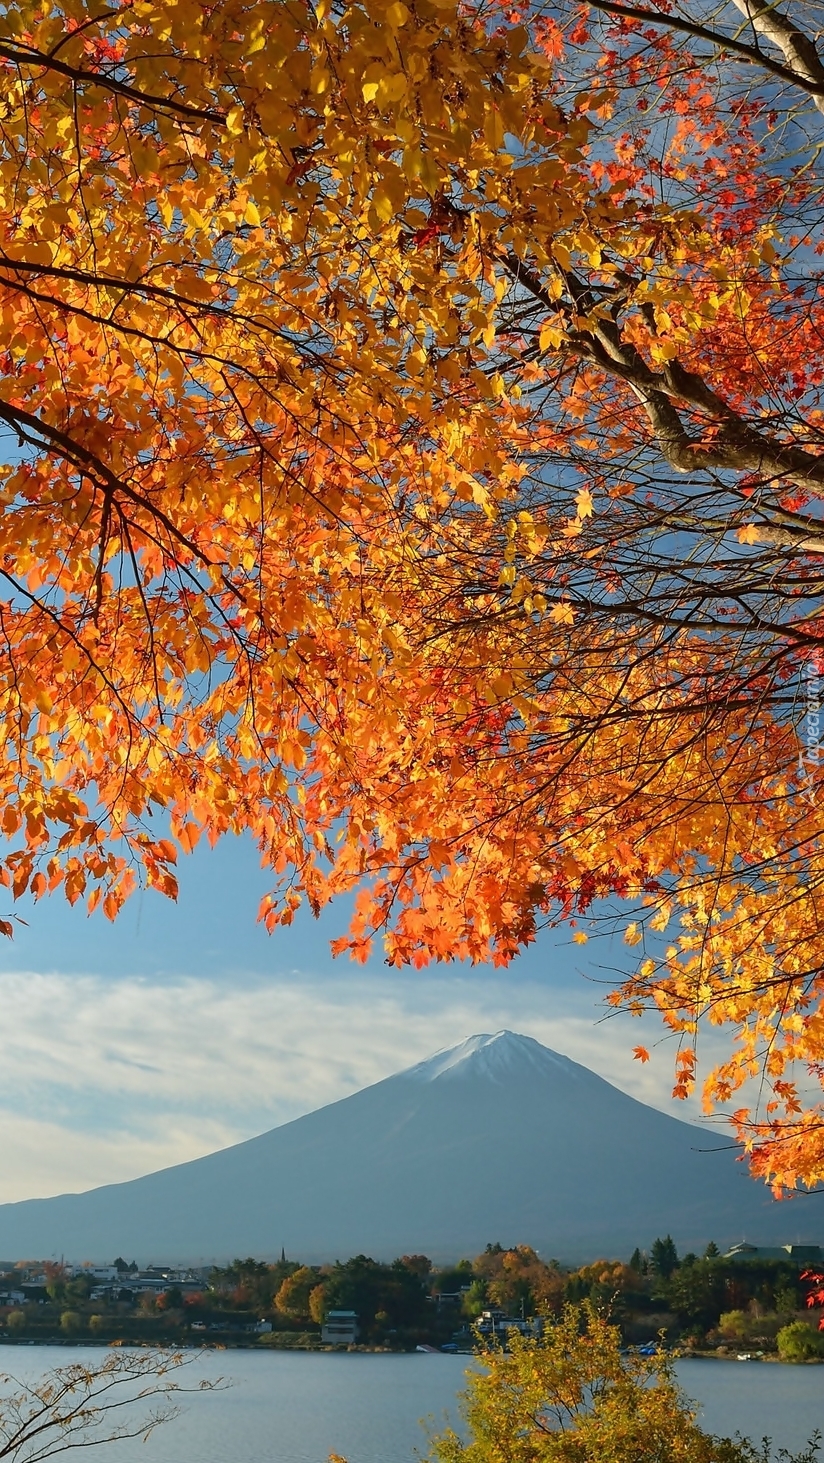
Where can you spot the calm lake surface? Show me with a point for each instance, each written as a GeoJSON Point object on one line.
{"type": "Point", "coordinates": [298, 1407]}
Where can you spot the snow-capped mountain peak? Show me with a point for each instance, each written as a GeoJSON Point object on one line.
{"type": "Point", "coordinates": [495, 1057]}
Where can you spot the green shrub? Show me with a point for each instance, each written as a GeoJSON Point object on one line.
{"type": "Point", "coordinates": [734, 1324]}
{"type": "Point", "coordinates": [800, 1342]}
{"type": "Point", "coordinates": [71, 1322]}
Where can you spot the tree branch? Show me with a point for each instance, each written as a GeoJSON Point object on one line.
{"type": "Point", "coordinates": [735, 446]}
{"type": "Point", "coordinates": [803, 69]}
{"type": "Point", "coordinates": [22, 56]}
{"type": "Point", "coordinates": [798, 50]}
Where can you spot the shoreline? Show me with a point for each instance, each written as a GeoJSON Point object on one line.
{"type": "Point", "coordinates": [58, 1342]}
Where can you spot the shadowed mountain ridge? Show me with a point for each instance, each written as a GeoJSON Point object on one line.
{"type": "Point", "coordinates": [498, 1138]}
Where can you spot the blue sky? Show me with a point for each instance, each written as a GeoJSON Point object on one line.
{"type": "Point", "coordinates": [183, 1028]}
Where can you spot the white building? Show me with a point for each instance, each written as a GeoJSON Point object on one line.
{"type": "Point", "coordinates": [340, 1328]}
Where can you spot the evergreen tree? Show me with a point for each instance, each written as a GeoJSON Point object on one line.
{"type": "Point", "coordinates": [664, 1257]}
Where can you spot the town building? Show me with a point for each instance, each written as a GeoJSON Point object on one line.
{"type": "Point", "coordinates": [497, 1323]}
{"type": "Point", "coordinates": [340, 1328]}
{"type": "Point", "coordinates": [797, 1254]}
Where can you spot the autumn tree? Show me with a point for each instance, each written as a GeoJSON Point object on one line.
{"type": "Point", "coordinates": [640, 723]}
{"type": "Point", "coordinates": [250, 1282]}
{"type": "Point", "coordinates": [571, 1396]}
{"type": "Point", "coordinates": [294, 1295]}
{"type": "Point", "coordinates": [517, 1280]}
{"type": "Point", "coordinates": [317, 1304]}
{"type": "Point", "coordinates": [171, 1299]}
{"type": "Point", "coordinates": [415, 463]}
{"type": "Point", "coordinates": [419, 1265]}
{"type": "Point", "coordinates": [127, 1395]}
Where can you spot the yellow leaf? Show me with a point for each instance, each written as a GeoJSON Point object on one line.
{"type": "Point", "coordinates": [372, 78]}
{"type": "Point", "coordinates": [251, 216]}
{"type": "Point", "coordinates": [392, 87]}
{"type": "Point", "coordinates": [550, 337]}
{"type": "Point", "coordinates": [429, 173]}
{"type": "Point", "coordinates": [383, 206]}
{"type": "Point", "coordinates": [412, 161]}
{"type": "Point", "coordinates": [749, 534]}
{"type": "Point", "coordinates": [583, 503]}
{"type": "Point", "coordinates": [562, 614]}
{"type": "Point", "coordinates": [396, 15]}
{"type": "Point", "coordinates": [493, 128]}
{"type": "Point", "coordinates": [579, 938]}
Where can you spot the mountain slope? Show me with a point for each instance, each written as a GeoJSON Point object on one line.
{"type": "Point", "coordinates": [496, 1139]}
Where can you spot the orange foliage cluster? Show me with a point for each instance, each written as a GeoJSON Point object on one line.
{"type": "Point", "coordinates": [419, 465]}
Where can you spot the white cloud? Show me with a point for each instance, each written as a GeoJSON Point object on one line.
{"type": "Point", "coordinates": [103, 1080]}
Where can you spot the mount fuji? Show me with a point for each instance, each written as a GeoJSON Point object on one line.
{"type": "Point", "coordinates": [496, 1139]}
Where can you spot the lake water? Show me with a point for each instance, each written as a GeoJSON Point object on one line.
{"type": "Point", "coordinates": [283, 1407]}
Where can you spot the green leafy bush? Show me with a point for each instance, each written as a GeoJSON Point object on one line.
{"type": "Point", "coordinates": [800, 1342]}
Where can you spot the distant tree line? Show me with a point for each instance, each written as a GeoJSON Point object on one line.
{"type": "Point", "coordinates": [702, 1301]}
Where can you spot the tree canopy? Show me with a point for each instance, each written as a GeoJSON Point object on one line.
{"type": "Point", "coordinates": [415, 462]}
{"type": "Point", "coordinates": [570, 1396]}
{"type": "Point", "coordinates": [126, 1395]}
